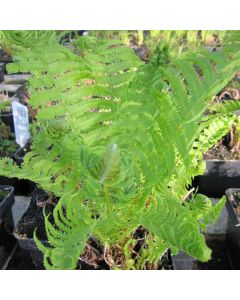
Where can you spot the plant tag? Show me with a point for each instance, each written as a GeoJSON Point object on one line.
{"type": "Point", "coordinates": [21, 123]}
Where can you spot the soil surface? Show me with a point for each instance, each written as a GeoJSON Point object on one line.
{"type": "Point", "coordinates": [228, 147]}
{"type": "Point", "coordinates": [222, 152]}
{"type": "Point", "coordinates": [95, 256]}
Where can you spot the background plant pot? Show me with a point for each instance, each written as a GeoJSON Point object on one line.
{"type": "Point", "coordinates": [29, 245]}
{"type": "Point", "coordinates": [233, 228]}
{"type": "Point", "coordinates": [6, 203]}
{"type": "Point", "coordinates": [21, 186]}
{"type": "Point", "coordinates": [18, 156]}
{"type": "Point", "coordinates": [4, 56]}
{"type": "Point", "coordinates": [7, 118]}
{"type": "Point", "coordinates": [215, 237]}
{"type": "Point", "coordinates": [33, 218]}
{"type": "Point", "coordinates": [220, 259]}
{"type": "Point", "coordinates": [8, 246]}
{"type": "Point", "coordinates": [220, 175]}
{"type": "Point", "coordinates": [1, 72]}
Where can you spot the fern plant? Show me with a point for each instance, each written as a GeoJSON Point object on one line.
{"type": "Point", "coordinates": [183, 40]}
{"type": "Point", "coordinates": [119, 142]}
{"type": "Point", "coordinates": [179, 41]}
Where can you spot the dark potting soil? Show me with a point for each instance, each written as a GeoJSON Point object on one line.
{"type": "Point", "coordinates": [33, 218]}
{"type": "Point", "coordinates": [93, 257]}
{"type": "Point", "coordinates": [222, 152]}
{"type": "Point", "coordinates": [7, 244]}
{"type": "Point", "coordinates": [165, 263]}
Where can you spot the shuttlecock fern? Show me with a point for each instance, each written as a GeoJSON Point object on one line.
{"type": "Point", "coordinates": [119, 142]}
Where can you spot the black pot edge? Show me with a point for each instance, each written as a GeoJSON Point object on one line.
{"type": "Point", "coordinates": [181, 264]}
{"type": "Point", "coordinates": [27, 243]}
{"type": "Point", "coordinates": [220, 175]}
{"type": "Point", "coordinates": [9, 196]}
{"type": "Point", "coordinates": [6, 209]}
{"type": "Point", "coordinates": [233, 230]}
{"type": "Point", "coordinates": [7, 118]}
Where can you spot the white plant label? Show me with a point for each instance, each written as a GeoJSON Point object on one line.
{"type": "Point", "coordinates": [21, 123]}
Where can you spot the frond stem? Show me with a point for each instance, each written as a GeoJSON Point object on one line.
{"type": "Point", "coordinates": [107, 197]}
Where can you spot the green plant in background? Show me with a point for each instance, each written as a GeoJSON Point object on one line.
{"type": "Point", "coordinates": [4, 104]}
{"type": "Point", "coordinates": [179, 41]}
{"type": "Point", "coordinates": [234, 142]}
{"type": "Point", "coordinates": [120, 142]}
{"type": "Point", "coordinates": [7, 142]}
{"type": "Point", "coordinates": [127, 37]}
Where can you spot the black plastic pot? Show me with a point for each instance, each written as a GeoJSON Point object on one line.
{"type": "Point", "coordinates": [233, 227]}
{"type": "Point", "coordinates": [220, 175]}
{"type": "Point", "coordinates": [182, 261]}
{"type": "Point", "coordinates": [5, 57]}
{"type": "Point", "coordinates": [22, 187]}
{"type": "Point", "coordinates": [1, 72]}
{"type": "Point", "coordinates": [220, 260]}
{"type": "Point", "coordinates": [33, 218]}
{"type": "Point", "coordinates": [6, 203]}
{"type": "Point", "coordinates": [7, 118]}
{"type": "Point", "coordinates": [29, 245]}
{"type": "Point", "coordinates": [8, 247]}
{"type": "Point", "coordinates": [19, 155]}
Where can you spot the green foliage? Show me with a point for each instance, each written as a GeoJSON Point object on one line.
{"type": "Point", "coordinates": [120, 142]}
{"type": "Point", "coordinates": [127, 37]}
{"type": "Point", "coordinates": [203, 211]}
{"type": "Point", "coordinates": [4, 104]}
{"type": "Point", "coordinates": [7, 142]}
{"type": "Point", "coordinates": [179, 41]}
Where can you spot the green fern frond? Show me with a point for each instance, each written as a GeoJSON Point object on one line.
{"type": "Point", "coordinates": [120, 141]}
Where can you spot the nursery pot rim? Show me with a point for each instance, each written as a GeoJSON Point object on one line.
{"type": "Point", "coordinates": [10, 190]}
{"type": "Point", "coordinates": [6, 204]}
{"type": "Point", "coordinates": [222, 160]}
{"type": "Point", "coordinates": [6, 113]}
{"type": "Point", "coordinates": [27, 243]}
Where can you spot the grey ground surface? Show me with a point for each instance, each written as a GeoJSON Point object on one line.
{"type": "Point", "coordinates": [19, 207]}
